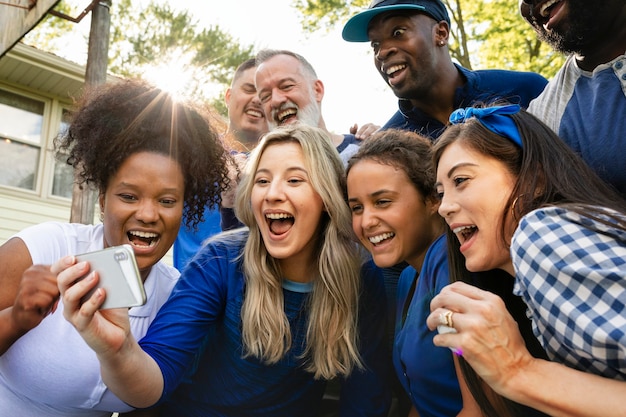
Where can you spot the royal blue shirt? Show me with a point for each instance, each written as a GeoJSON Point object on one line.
{"type": "Point", "coordinates": [482, 86]}
{"type": "Point", "coordinates": [425, 371]}
{"type": "Point", "coordinates": [189, 240]}
{"type": "Point", "coordinates": [199, 329]}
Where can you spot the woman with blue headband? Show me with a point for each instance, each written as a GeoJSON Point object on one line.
{"type": "Point", "coordinates": [517, 199]}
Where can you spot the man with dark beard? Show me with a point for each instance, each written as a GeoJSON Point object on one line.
{"type": "Point", "coordinates": [585, 103]}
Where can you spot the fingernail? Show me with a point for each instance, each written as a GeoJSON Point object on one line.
{"type": "Point", "coordinates": [457, 351]}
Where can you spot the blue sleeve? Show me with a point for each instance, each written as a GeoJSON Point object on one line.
{"type": "Point", "coordinates": [196, 303]}
{"type": "Point", "coordinates": [189, 240]}
{"type": "Point", "coordinates": [367, 392]}
{"type": "Point", "coordinates": [513, 86]}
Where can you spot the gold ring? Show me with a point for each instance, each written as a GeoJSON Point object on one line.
{"type": "Point", "coordinates": [447, 318]}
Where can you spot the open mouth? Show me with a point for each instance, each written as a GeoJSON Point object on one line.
{"type": "Point", "coordinates": [464, 233]}
{"type": "Point", "coordinates": [286, 115]}
{"type": "Point", "coordinates": [254, 113]}
{"type": "Point", "coordinates": [376, 240]}
{"type": "Point", "coordinates": [142, 239]}
{"type": "Point", "coordinates": [392, 70]}
{"type": "Point", "coordinates": [280, 223]}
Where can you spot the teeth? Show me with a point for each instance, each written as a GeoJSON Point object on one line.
{"type": "Point", "coordinates": [462, 228]}
{"type": "Point", "coordinates": [254, 113]}
{"type": "Point", "coordinates": [283, 115]}
{"type": "Point", "coordinates": [379, 238]}
{"type": "Point", "coordinates": [145, 235]}
{"type": "Point", "coordinates": [278, 216]}
{"type": "Point", "coordinates": [394, 68]}
{"type": "Point", "coordinates": [544, 9]}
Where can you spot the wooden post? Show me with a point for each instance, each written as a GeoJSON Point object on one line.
{"type": "Point", "coordinates": [83, 200]}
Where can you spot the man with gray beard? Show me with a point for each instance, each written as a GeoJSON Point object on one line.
{"type": "Point", "coordinates": [290, 91]}
{"type": "Point", "coordinates": [585, 103]}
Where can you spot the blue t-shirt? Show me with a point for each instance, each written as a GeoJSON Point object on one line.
{"type": "Point", "coordinates": [200, 325]}
{"type": "Point", "coordinates": [588, 111]}
{"type": "Point", "coordinates": [482, 86]}
{"type": "Point", "coordinates": [425, 371]}
{"type": "Point", "coordinates": [189, 240]}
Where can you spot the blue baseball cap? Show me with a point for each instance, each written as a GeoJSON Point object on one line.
{"type": "Point", "coordinates": [355, 29]}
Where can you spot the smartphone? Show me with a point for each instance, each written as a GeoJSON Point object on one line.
{"type": "Point", "coordinates": [119, 276]}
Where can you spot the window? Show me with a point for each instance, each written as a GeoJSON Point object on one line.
{"type": "Point", "coordinates": [20, 139]}
{"type": "Point", "coordinates": [63, 179]}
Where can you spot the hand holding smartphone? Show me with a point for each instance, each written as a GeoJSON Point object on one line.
{"type": "Point", "coordinates": [119, 276]}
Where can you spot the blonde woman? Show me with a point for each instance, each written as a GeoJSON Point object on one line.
{"type": "Point", "coordinates": [264, 316]}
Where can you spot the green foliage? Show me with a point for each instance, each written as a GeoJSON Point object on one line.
{"type": "Point", "coordinates": [161, 34]}
{"type": "Point", "coordinates": [484, 33]}
{"type": "Point", "coordinates": [157, 35]}
{"type": "Point", "coordinates": [322, 14]}
{"type": "Point", "coordinates": [46, 34]}
{"type": "Point", "coordinates": [505, 40]}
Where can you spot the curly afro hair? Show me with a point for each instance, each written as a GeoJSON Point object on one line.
{"type": "Point", "coordinates": [116, 120]}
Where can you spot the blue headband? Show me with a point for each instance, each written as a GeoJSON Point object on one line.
{"type": "Point", "coordinates": [493, 118]}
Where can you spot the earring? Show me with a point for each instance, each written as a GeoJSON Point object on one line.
{"type": "Point", "coordinates": [441, 43]}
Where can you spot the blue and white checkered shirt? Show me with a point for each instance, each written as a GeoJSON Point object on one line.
{"type": "Point", "coordinates": [571, 272]}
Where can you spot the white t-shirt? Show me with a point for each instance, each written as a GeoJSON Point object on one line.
{"type": "Point", "coordinates": [50, 371]}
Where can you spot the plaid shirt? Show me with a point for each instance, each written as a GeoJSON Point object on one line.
{"type": "Point", "coordinates": [571, 272]}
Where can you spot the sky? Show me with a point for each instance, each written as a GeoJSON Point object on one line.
{"type": "Point", "coordinates": [354, 91]}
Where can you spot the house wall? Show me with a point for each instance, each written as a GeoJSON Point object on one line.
{"type": "Point", "coordinates": [32, 73]}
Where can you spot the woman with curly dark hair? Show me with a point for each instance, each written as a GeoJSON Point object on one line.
{"type": "Point", "coordinates": [148, 156]}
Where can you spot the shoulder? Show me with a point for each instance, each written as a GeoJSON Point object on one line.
{"type": "Point", "coordinates": [221, 251]}
{"type": "Point", "coordinates": [435, 272]}
{"type": "Point", "coordinates": [61, 239]}
{"type": "Point", "coordinates": [61, 229]}
{"type": "Point", "coordinates": [165, 273]}
{"type": "Point", "coordinates": [158, 287]}
{"type": "Point", "coordinates": [501, 77]}
{"type": "Point", "coordinates": [438, 251]}
{"type": "Point", "coordinates": [405, 281]}
{"type": "Point", "coordinates": [228, 242]}
{"type": "Point", "coordinates": [514, 86]}
{"type": "Point", "coordinates": [561, 232]}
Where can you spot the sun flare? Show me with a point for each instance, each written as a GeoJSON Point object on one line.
{"type": "Point", "coordinates": [174, 74]}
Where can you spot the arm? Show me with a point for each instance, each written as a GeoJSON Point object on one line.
{"type": "Point", "coordinates": [29, 293]}
{"type": "Point", "coordinates": [126, 369]}
{"type": "Point", "coordinates": [491, 343]}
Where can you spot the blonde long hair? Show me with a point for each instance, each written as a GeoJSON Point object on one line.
{"type": "Point", "coordinates": [331, 339]}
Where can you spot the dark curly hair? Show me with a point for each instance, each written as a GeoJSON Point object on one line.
{"type": "Point", "coordinates": [402, 149]}
{"type": "Point", "coordinates": [116, 120]}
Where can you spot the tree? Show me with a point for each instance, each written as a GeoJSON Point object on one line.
{"type": "Point", "coordinates": [485, 33]}
{"type": "Point", "coordinates": [158, 37]}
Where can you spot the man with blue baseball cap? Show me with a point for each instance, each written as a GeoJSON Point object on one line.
{"type": "Point", "coordinates": [356, 29]}
{"type": "Point", "coordinates": [409, 40]}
